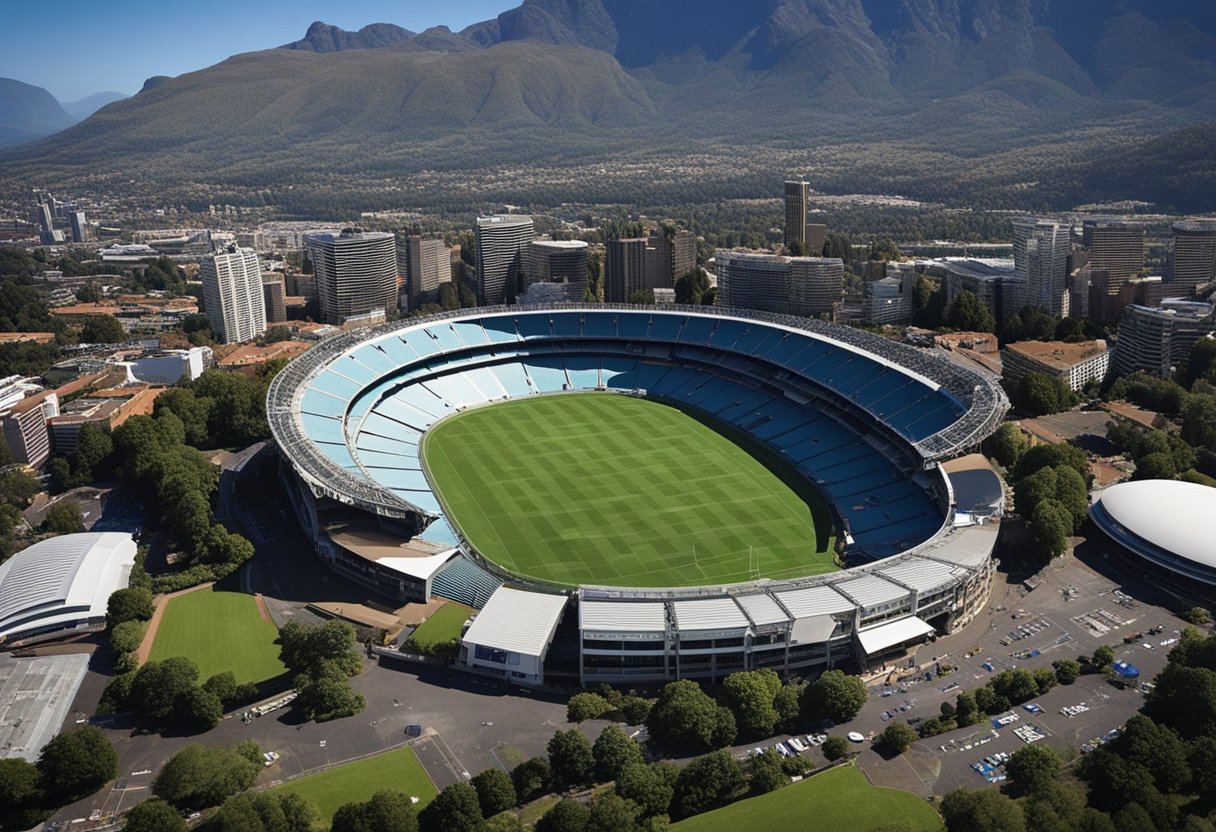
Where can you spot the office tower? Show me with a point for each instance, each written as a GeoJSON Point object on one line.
{"type": "Point", "coordinates": [994, 281]}
{"type": "Point", "coordinates": [803, 286]}
{"type": "Point", "coordinates": [1114, 247]}
{"type": "Point", "coordinates": [79, 226]}
{"type": "Point", "coordinates": [888, 300]}
{"type": "Point", "coordinates": [274, 299]}
{"type": "Point", "coordinates": [1159, 339]}
{"type": "Point", "coordinates": [1040, 257]}
{"type": "Point", "coordinates": [624, 268]}
{"type": "Point", "coordinates": [232, 293]}
{"type": "Point", "coordinates": [356, 273]}
{"type": "Point", "coordinates": [669, 256]}
{"type": "Point", "coordinates": [1193, 262]}
{"type": "Point", "coordinates": [796, 194]}
{"type": "Point", "coordinates": [558, 261]}
{"type": "Point", "coordinates": [502, 242]}
{"type": "Point", "coordinates": [816, 236]}
{"type": "Point", "coordinates": [42, 217]}
{"type": "Point", "coordinates": [424, 262]}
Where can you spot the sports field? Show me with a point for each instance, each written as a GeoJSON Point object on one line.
{"type": "Point", "coordinates": [356, 782]}
{"type": "Point", "coordinates": [219, 631]}
{"type": "Point", "coordinates": [605, 488]}
{"type": "Point", "coordinates": [443, 625]}
{"type": "Point", "coordinates": [839, 799]}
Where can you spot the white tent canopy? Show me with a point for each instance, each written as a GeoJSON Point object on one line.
{"type": "Point", "coordinates": [876, 639]}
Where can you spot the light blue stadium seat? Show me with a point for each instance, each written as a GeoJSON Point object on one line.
{"type": "Point", "coordinates": [513, 378]}
{"type": "Point", "coordinates": [445, 336]}
{"type": "Point", "coordinates": [471, 333]}
{"type": "Point", "coordinates": [465, 582]}
{"type": "Point", "coordinates": [375, 358]}
{"type": "Point", "coordinates": [322, 404]}
{"type": "Point", "coordinates": [620, 373]}
{"type": "Point", "coordinates": [486, 383]}
{"type": "Point", "coordinates": [548, 375]}
{"type": "Point", "coordinates": [500, 329]}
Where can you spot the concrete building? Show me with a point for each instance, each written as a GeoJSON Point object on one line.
{"type": "Point", "coordinates": [356, 273]}
{"type": "Point", "coordinates": [274, 298]}
{"type": "Point", "coordinates": [888, 300]}
{"type": "Point", "coordinates": [1114, 247]}
{"type": "Point", "coordinates": [511, 635]}
{"type": "Point", "coordinates": [25, 428]}
{"type": "Point", "coordinates": [424, 262]}
{"type": "Point", "coordinates": [1193, 262]}
{"type": "Point", "coordinates": [80, 226]}
{"type": "Point", "coordinates": [797, 192]}
{"type": "Point", "coordinates": [557, 261]}
{"type": "Point", "coordinates": [806, 286]}
{"type": "Point", "coordinates": [1075, 364]}
{"type": "Point", "coordinates": [653, 262]}
{"type": "Point", "coordinates": [170, 367]}
{"type": "Point", "coordinates": [502, 244]}
{"type": "Point", "coordinates": [232, 293]}
{"type": "Point", "coordinates": [996, 282]}
{"type": "Point", "coordinates": [1159, 339]}
{"type": "Point", "coordinates": [107, 408]}
{"type": "Point", "coordinates": [1041, 256]}
{"type": "Point", "coordinates": [624, 268]}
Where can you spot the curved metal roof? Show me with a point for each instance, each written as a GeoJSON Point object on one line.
{"type": "Point", "coordinates": [1171, 515]}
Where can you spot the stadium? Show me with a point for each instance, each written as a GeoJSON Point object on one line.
{"type": "Point", "coordinates": [506, 458]}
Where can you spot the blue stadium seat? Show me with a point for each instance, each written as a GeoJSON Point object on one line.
{"type": "Point", "coordinates": [421, 343]}
{"type": "Point", "coordinates": [513, 378]}
{"type": "Point", "coordinates": [322, 404]}
{"type": "Point", "coordinates": [471, 333]}
{"type": "Point", "coordinates": [548, 375]}
{"type": "Point", "coordinates": [465, 582]}
{"type": "Point", "coordinates": [375, 358]}
{"type": "Point", "coordinates": [445, 336]}
{"type": "Point", "coordinates": [664, 327]}
{"type": "Point", "coordinates": [500, 329]}
{"type": "Point", "coordinates": [486, 383]}
{"type": "Point", "coordinates": [633, 325]}
{"type": "Point", "coordinates": [620, 373]}
{"type": "Point", "coordinates": [726, 333]}
{"type": "Point", "coordinates": [566, 324]}
{"type": "Point", "coordinates": [696, 329]}
{"type": "Point", "coordinates": [583, 371]}
{"type": "Point", "coordinates": [598, 325]}
{"type": "Point", "coordinates": [534, 326]}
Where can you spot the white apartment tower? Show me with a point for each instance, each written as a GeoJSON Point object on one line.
{"type": "Point", "coordinates": [356, 273]}
{"type": "Point", "coordinates": [502, 249]}
{"type": "Point", "coordinates": [1040, 258]}
{"type": "Point", "coordinates": [232, 292]}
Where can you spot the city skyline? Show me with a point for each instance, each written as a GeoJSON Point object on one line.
{"type": "Point", "coordinates": [72, 60]}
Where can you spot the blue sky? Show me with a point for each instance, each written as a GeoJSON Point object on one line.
{"type": "Point", "coordinates": [77, 47]}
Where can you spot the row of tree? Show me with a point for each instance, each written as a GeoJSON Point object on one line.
{"type": "Point", "coordinates": [71, 766]}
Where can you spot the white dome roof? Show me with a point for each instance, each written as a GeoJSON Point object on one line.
{"type": "Point", "coordinates": [1172, 515]}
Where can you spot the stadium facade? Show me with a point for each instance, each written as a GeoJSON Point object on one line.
{"type": "Point", "coordinates": [867, 420]}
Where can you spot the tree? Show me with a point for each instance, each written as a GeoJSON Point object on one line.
{"type": "Point", "coordinates": [765, 773]}
{"type": "Point", "coordinates": [612, 813]}
{"type": "Point", "coordinates": [506, 822]}
{"type": "Point", "coordinates": [1007, 445]}
{"type": "Point", "coordinates": [1199, 419]}
{"type": "Point", "coordinates": [1067, 671]}
{"type": "Point", "coordinates": [570, 758]}
{"type": "Point", "coordinates": [222, 685]}
{"type": "Point", "coordinates": [835, 696]}
{"type": "Point", "coordinates": [613, 751]}
{"type": "Point", "coordinates": [154, 815]}
{"type": "Point", "coordinates": [1201, 363]}
{"type": "Point", "coordinates": [102, 329]}
{"type": "Point", "coordinates": [266, 812]}
{"type": "Point", "coordinates": [495, 791]}
{"type": "Point", "coordinates": [835, 747]}
{"type": "Point", "coordinates": [324, 693]}
{"type": "Point", "coordinates": [455, 809]}
{"type": "Point", "coordinates": [77, 763]}
{"type": "Point", "coordinates": [160, 688]}
{"type": "Point", "coordinates": [1032, 769]}
{"type": "Point", "coordinates": [128, 604]}
{"type": "Point", "coordinates": [304, 648]}
{"type": "Point", "coordinates": [584, 706]}
{"type": "Point", "coordinates": [19, 783]}
{"type": "Point", "coordinates": [386, 811]}
{"type": "Point", "coordinates": [94, 448]}
{"type": "Point", "coordinates": [199, 776]}
{"type": "Point", "coordinates": [750, 695]}
{"type": "Point", "coordinates": [635, 709]}
{"type": "Point", "coordinates": [642, 297]}
{"type": "Point", "coordinates": [985, 810]}
{"type": "Point", "coordinates": [17, 488]}
{"type": "Point", "coordinates": [565, 816]}
{"type": "Point", "coordinates": [649, 786]}
{"type": "Point", "coordinates": [1050, 525]}
{"type": "Point", "coordinates": [789, 712]}
{"type": "Point", "coordinates": [1039, 395]}
{"type": "Point", "coordinates": [969, 314]}
{"type": "Point", "coordinates": [1103, 657]}
{"type": "Point", "coordinates": [896, 738]}
{"type": "Point", "coordinates": [705, 783]}
{"type": "Point", "coordinates": [200, 708]}
{"type": "Point", "coordinates": [531, 778]}
{"type": "Point", "coordinates": [1156, 466]}
{"type": "Point", "coordinates": [691, 287]}
{"type": "Point", "coordinates": [685, 716]}
{"type": "Point", "coordinates": [63, 518]}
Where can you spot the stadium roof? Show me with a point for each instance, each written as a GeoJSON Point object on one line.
{"type": "Point", "coordinates": [762, 609]}
{"type": "Point", "coordinates": [708, 614]}
{"type": "Point", "coordinates": [871, 590]}
{"type": "Point", "coordinates": [1173, 516]}
{"type": "Point", "coordinates": [63, 580]}
{"type": "Point", "coordinates": [922, 575]}
{"type": "Point", "coordinates": [815, 600]}
{"type": "Point", "coordinates": [876, 639]}
{"type": "Point", "coordinates": [623, 616]}
{"type": "Point", "coordinates": [517, 621]}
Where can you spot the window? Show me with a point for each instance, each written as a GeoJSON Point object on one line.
{"type": "Point", "coordinates": [489, 654]}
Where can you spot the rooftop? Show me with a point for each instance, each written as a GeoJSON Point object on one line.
{"type": "Point", "coordinates": [517, 621]}
{"type": "Point", "coordinates": [1172, 515]}
{"type": "Point", "coordinates": [1059, 355]}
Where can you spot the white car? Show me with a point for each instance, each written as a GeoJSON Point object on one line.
{"type": "Point", "coordinates": [782, 750]}
{"type": "Point", "coordinates": [796, 744]}
{"type": "Point", "coordinates": [854, 736]}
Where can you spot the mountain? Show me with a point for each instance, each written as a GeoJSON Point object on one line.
{"type": "Point", "coordinates": [322, 37]}
{"type": "Point", "coordinates": [1000, 102]}
{"type": "Point", "coordinates": [90, 104]}
{"type": "Point", "coordinates": [28, 112]}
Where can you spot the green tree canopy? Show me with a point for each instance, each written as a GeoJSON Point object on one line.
{"type": "Point", "coordinates": [685, 716]}
{"type": "Point", "coordinates": [765, 773]}
{"type": "Point", "coordinates": [495, 791]}
{"type": "Point", "coordinates": [896, 738]}
{"type": "Point", "coordinates": [565, 816]}
{"type": "Point", "coordinates": [705, 783]}
{"type": "Point", "coordinates": [1032, 769]}
{"type": "Point", "coordinates": [386, 811]}
{"type": "Point", "coordinates": [570, 758]}
{"type": "Point", "coordinates": [834, 747]}
{"type": "Point", "coordinates": [649, 786]}
{"type": "Point", "coordinates": [751, 695]}
{"type": "Point", "coordinates": [531, 778]}
{"type": "Point", "coordinates": [613, 750]}
{"type": "Point", "coordinates": [969, 314]}
{"type": "Point", "coordinates": [154, 815]}
{"type": "Point", "coordinates": [985, 810]}
{"type": "Point", "coordinates": [835, 696]}
{"type": "Point", "coordinates": [585, 705]}
{"type": "Point", "coordinates": [1039, 395]}
{"type": "Point", "coordinates": [77, 763]}
{"type": "Point", "coordinates": [612, 813]}
{"type": "Point", "coordinates": [199, 776]}
{"type": "Point", "coordinates": [1007, 445]}
{"type": "Point", "coordinates": [63, 518]}
{"type": "Point", "coordinates": [455, 809]}
{"type": "Point", "coordinates": [1050, 525]}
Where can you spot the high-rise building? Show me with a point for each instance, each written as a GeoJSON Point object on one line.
{"type": "Point", "coordinates": [994, 281]}
{"type": "Point", "coordinates": [356, 273]}
{"type": "Point", "coordinates": [797, 193]}
{"type": "Point", "coordinates": [43, 217]}
{"type": "Point", "coordinates": [424, 262]}
{"type": "Point", "coordinates": [558, 261]}
{"type": "Point", "coordinates": [1075, 364]}
{"type": "Point", "coordinates": [502, 243]}
{"type": "Point", "coordinates": [1040, 256]}
{"type": "Point", "coordinates": [25, 430]}
{"type": "Point", "coordinates": [232, 293]}
{"type": "Point", "coordinates": [1159, 339]}
{"type": "Point", "coordinates": [1115, 247]}
{"type": "Point", "coordinates": [1193, 262]}
{"type": "Point", "coordinates": [624, 268]}
{"type": "Point", "coordinates": [274, 299]}
{"type": "Point", "coordinates": [79, 226]}
{"type": "Point", "coordinates": [806, 286]}
{"type": "Point", "coordinates": [816, 236]}
{"type": "Point", "coordinates": [888, 300]}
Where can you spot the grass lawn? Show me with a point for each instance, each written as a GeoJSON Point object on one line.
{"type": "Point", "coordinates": [839, 799]}
{"type": "Point", "coordinates": [443, 625]}
{"type": "Point", "coordinates": [614, 489]}
{"type": "Point", "coordinates": [219, 631]}
{"type": "Point", "coordinates": [355, 782]}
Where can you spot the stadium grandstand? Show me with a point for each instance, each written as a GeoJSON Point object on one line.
{"type": "Point", "coordinates": [866, 420]}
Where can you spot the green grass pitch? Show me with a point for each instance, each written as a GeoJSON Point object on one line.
{"type": "Point", "coordinates": [839, 799]}
{"type": "Point", "coordinates": [602, 488]}
{"type": "Point", "coordinates": [219, 631]}
{"type": "Point", "coordinates": [356, 782]}
{"type": "Point", "coordinates": [443, 625]}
